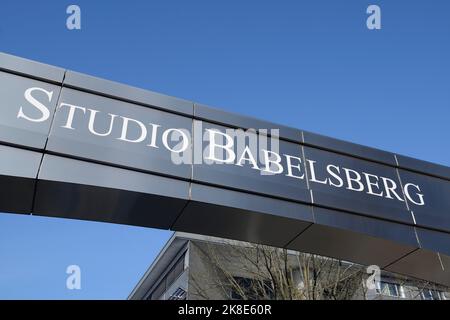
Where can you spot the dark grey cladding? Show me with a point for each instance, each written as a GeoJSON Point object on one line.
{"type": "Point", "coordinates": [127, 93]}
{"type": "Point", "coordinates": [361, 202]}
{"type": "Point", "coordinates": [80, 142]}
{"type": "Point", "coordinates": [424, 264]}
{"type": "Point", "coordinates": [31, 68]}
{"type": "Point", "coordinates": [356, 238]}
{"type": "Point", "coordinates": [233, 120]}
{"type": "Point", "coordinates": [246, 178]}
{"type": "Point", "coordinates": [434, 240]}
{"type": "Point", "coordinates": [52, 169]}
{"type": "Point", "coordinates": [14, 128]}
{"type": "Point", "coordinates": [353, 149]}
{"type": "Point", "coordinates": [103, 193]}
{"type": "Point", "coordinates": [436, 213]}
{"type": "Point", "coordinates": [18, 173]}
{"type": "Point", "coordinates": [242, 216]}
{"type": "Point", "coordinates": [424, 167]}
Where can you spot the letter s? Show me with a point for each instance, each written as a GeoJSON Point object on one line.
{"type": "Point", "coordinates": [42, 108]}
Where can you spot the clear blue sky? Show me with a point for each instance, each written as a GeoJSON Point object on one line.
{"type": "Point", "coordinates": [308, 64]}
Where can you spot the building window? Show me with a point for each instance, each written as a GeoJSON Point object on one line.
{"type": "Point", "coordinates": [390, 289]}
{"type": "Point", "coordinates": [178, 294]}
{"type": "Point", "coordinates": [176, 271]}
{"type": "Point", "coordinates": [251, 289]}
{"type": "Point", "coordinates": [159, 291]}
{"type": "Point", "coordinates": [428, 294]}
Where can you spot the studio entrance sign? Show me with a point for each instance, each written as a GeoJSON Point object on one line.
{"type": "Point", "coordinates": [217, 148]}
{"type": "Point", "coordinates": [74, 146]}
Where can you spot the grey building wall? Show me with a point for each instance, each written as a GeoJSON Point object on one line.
{"type": "Point", "coordinates": [201, 279]}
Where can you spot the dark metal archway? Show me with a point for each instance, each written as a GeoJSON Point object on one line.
{"type": "Point", "coordinates": [73, 146]}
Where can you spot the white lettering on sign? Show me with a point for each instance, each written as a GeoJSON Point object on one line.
{"type": "Point", "coordinates": [44, 111]}
{"type": "Point", "coordinates": [222, 149]}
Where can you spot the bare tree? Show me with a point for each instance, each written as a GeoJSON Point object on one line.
{"type": "Point", "coordinates": [262, 272]}
{"type": "Point", "coordinates": [237, 270]}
